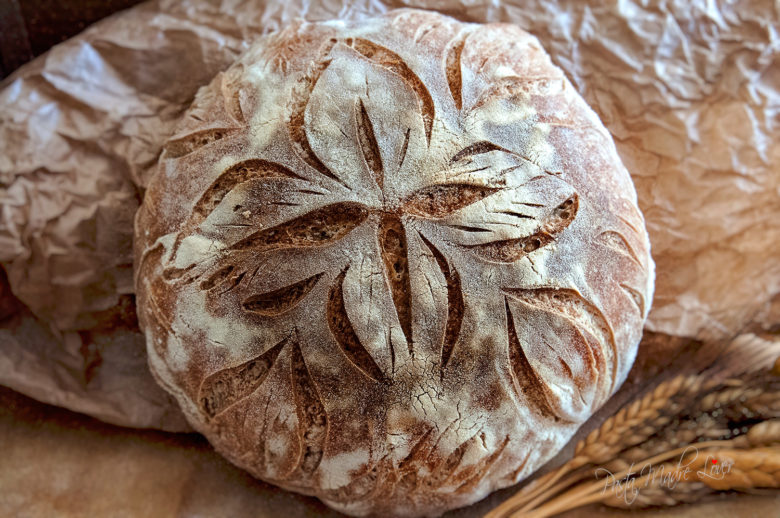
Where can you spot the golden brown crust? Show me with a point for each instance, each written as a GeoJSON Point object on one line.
{"type": "Point", "coordinates": [393, 264]}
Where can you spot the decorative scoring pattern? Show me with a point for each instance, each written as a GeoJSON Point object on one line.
{"type": "Point", "coordinates": [371, 246]}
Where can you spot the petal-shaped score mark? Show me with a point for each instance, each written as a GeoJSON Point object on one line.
{"type": "Point", "coordinates": [231, 178]}
{"type": "Point", "coordinates": [345, 335]}
{"type": "Point", "coordinates": [446, 467]}
{"type": "Point", "coordinates": [312, 418]}
{"type": "Point", "coordinates": [470, 476]}
{"type": "Point", "coordinates": [636, 297]}
{"type": "Point", "coordinates": [438, 201]}
{"type": "Point", "coordinates": [618, 243]}
{"type": "Point", "coordinates": [453, 73]}
{"type": "Point", "coordinates": [368, 143]}
{"type": "Point", "coordinates": [231, 93]}
{"type": "Point", "coordinates": [526, 379]}
{"type": "Point", "coordinates": [315, 229]}
{"type": "Point", "coordinates": [279, 301]}
{"type": "Point", "coordinates": [234, 176]}
{"type": "Point", "coordinates": [455, 306]}
{"type": "Point", "coordinates": [296, 125]}
{"type": "Point", "coordinates": [478, 148]}
{"type": "Point", "coordinates": [173, 274]}
{"type": "Point", "coordinates": [582, 314]}
{"type": "Point", "coordinates": [446, 470]}
{"type": "Point", "coordinates": [226, 387]}
{"type": "Point", "coordinates": [217, 277]}
{"type": "Point", "coordinates": [393, 246]}
{"type": "Point", "coordinates": [511, 250]}
{"type": "Point", "coordinates": [392, 61]}
{"type": "Point", "coordinates": [484, 146]}
{"type": "Point", "coordinates": [177, 148]}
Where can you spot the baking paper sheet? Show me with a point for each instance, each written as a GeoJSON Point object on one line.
{"type": "Point", "coordinates": [689, 90]}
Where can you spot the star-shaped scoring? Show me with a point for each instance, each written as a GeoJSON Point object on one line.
{"type": "Point", "coordinates": [379, 155]}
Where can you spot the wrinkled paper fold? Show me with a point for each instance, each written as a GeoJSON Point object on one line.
{"type": "Point", "coordinates": [690, 92]}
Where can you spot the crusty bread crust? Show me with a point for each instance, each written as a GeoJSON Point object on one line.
{"type": "Point", "coordinates": [392, 263]}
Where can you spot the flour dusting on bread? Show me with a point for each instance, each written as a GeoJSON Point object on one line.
{"type": "Point", "coordinates": [393, 263]}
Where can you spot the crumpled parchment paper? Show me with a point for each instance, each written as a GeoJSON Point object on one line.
{"type": "Point", "coordinates": [689, 90]}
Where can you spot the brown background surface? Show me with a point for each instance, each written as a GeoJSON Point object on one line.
{"type": "Point", "coordinates": [56, 463]}
{"type": "Point", "coordinates": [29, 28]}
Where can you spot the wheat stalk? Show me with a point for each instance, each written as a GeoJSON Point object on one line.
{"type": "Point", "coordinates": [747, 469]}
{"type": "Point", "coordinates": [758, 468]}
{"type": "Point", "coordinates": [709, 417]}
{"type": "Point", "coordinates": [638, 421]}
{"type": "Point", "coordinates": [657, 495]}
{"type": "Point", "coordinates": [695, 410]}
{"type": "Point", "coordinates": [630, 426]}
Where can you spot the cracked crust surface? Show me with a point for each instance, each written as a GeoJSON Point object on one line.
{"type": "Point", "coordinates": [393, 264]}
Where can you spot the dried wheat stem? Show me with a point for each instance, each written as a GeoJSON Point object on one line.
{"type": "Point", "coordinates": [631, 425]}
{"type": "Point", "coordinates": [721, 469]}
{"type": "Point", "coordinates": [641, 430]}
{"type": "Point", "coordinates": [577, 496]}
{"type": "Point", "coordinates": [757, 468]}
{"type": "Point", "coordinates": [557, 488]}
{"type": "Point", "coordinates": [765, 433]}
{"type": "Point", "coordinates": [637, 421]}
{"type": "Point", "coordinates": [657, 495]}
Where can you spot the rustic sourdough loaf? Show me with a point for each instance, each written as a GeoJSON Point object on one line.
{"type": "Point", "coordinates": [392, 263]}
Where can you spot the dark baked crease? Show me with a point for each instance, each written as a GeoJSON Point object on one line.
{"type": "Point", "coordinates": [526, 380]}
{"type": "Point", "coordinates": [368, 144]}
{"type": "Point", "coordinates": [453, 72]}
{"type": "Point", "coordinates": [390, 60]}
{"type": "Point", "coordinates": [312, 417]}
{"type": "Point", "coordinates": [234, 176]}
{"type": "Point", "coordinates": [226, 387]}
{"type": "Point", "coordinates": [217, 277]}
{"type": "Point", "coordinates": [344, 334]}
{"type": "Point", "coordinates": [179, 147]}
{"type": "Point", "coordinates": [470, 229]}
{"type": "Point", "coordinates": [276, 302]}
{"type": "Point", "coordinates": [404, 147]}
{"type": "Point", "coordinates": [511, 250]}
{"type": "Point", "coordinates": [395, 256]}
{"type": "Point", "coordinates": [585, 316]}
{"type": "Point", "coordinates": [455, 305]}
{"type": "Point", "coordinates": [477, 148]}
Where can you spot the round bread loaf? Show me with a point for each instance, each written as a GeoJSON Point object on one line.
{"type": "Point", "coordinates": [392, 263]}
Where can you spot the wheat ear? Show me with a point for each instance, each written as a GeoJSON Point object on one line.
{"type": "Point", "coordinates": [630, 426]}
